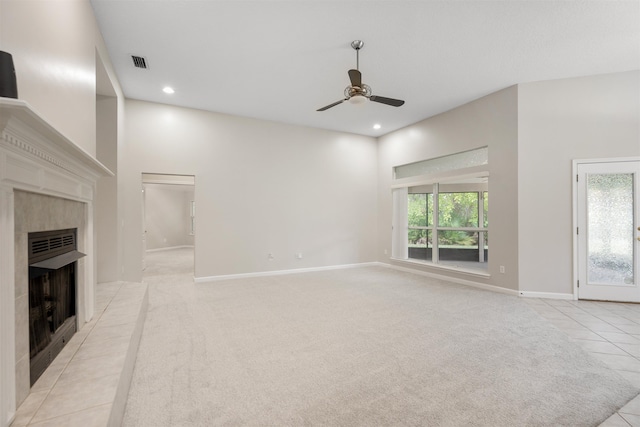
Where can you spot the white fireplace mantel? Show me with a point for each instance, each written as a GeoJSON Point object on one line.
{"type": "Point", "coordinates": [27, 135]}
{"type": "Point", "coordinates": [37, 158]}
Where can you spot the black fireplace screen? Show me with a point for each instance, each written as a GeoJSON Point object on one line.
{"type": "Point", "coordinates": [52, 295]}
{"type": "Point", "coordinates": [52, 300]}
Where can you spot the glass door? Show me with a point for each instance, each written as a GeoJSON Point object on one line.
{"type": "Point", "coordinates": [608, 231]}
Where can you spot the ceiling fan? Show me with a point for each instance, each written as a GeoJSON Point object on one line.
{"type": "Point", "coordinates": [357, 92]}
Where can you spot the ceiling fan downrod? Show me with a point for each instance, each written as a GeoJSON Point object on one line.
{"type": "Point", "coordinates": [357, 45]}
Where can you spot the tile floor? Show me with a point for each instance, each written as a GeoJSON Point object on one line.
{"type": "Point", "coordinates": [610, 332]}
{"type": "Point", "coordinates": [82, 385]}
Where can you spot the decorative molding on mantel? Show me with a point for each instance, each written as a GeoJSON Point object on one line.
{"type": "Point", "coordinates": [31, 146]}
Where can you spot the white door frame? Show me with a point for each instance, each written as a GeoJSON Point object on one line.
{"type": "Point", "coordinates": [144, 228]}
{"type": "Point", "coordinates": [169, 179]}
{"type": "Point", "coordinates": [574, 174]}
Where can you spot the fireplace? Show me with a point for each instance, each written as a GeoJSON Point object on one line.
{"type": "Point", "coordinates": [52, 296]}
{"type": "Point", "coordinates": [46, 183]}
{"type": "Point", "coordinates": [36, 218]}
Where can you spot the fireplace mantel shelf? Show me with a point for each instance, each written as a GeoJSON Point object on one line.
{"type": "Point", "coordinates": [21, 111]}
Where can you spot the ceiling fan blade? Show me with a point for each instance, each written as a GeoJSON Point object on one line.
{"type": "Point", "coordinates": [356, 78]}
{"type": "Point", "coordinates": [326, 107]}
{"type": "Point", "coordinates": [388, 101]}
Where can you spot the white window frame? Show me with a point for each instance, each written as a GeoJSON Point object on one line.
{"type": "Point", "coordinates": [400, 226]}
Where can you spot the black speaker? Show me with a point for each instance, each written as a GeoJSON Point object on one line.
{"type": "Point", "coordinates": [8, 85]}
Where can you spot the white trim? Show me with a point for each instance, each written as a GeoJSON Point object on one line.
{"type": "Point", "coordinates": [470, 283]}
{"type": "Point", "coordinates": [7, 308]}
{"type": "Point", "coordinates": [87, 287]}
{"type": "Point", "coordinates": [608, 160]}
{"type": "Point", "coordinates": [442, 177]}
{"type": "Point", "coordinates": [169, 179]}
{"type": "Point", "coordinates": [399, 224]}
{"type": "Point", "coordinates": [433, 227]}
{"type": "Point", "coordinates": [547, 295]}
{"type": "Point", "coordinates": [574, 214]}
{"type": "Point", "coordinates": [428, 264]}
{"type": "Point", "coordinates": [169, 248]}
{"type": "Point", "coordinates": [484, 286]}
{"type": "Point", "coordinates": [25, 130]}
{"type": "Point", "coordinates": [574, 224]}
{"type": "Point", "coordinates": [284, 272]}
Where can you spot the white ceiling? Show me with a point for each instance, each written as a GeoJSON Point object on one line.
{"type": "Point", "coordinates": [282, 60]}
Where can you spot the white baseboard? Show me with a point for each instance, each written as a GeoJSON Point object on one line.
{"type": "Point", "coordinates": [548, 295]}
{"type": "Point", "coordinates": [282, 272]}
{"type": "Point", "coordinates": [169, 248]}
{"type": "Point", "coordinates": [471, 283]}
{"type": "Point", "coordinates": [454, 280]}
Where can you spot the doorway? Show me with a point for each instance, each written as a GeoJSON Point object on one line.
{"type": "Point", "coordinates": [607, 242]}
{"type": "Point", "coordinates": [168, 217]}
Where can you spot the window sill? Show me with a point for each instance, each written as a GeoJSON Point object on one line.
{"type": "Point", "coordinates": [454, 269]}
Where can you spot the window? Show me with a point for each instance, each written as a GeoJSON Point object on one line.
{"type": "Point", "coordinates": [458, 161]}
{"type": "Point", "coordinates": [420, 220]}
{"type": "Point", "coordinates": [441, 211]}
{"type": "Point", "coordinates": [458, 234]}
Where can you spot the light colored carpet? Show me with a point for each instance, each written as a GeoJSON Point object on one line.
{"type": "Point", "coordinates": [358, 347]}
{"type": "Point", "coordinates": [169, 262]}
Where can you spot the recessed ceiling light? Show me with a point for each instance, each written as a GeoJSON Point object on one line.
{"type": "Point", "coordinates": [377, 126]}
{"type": "Point", "coordinates": [168, 89]}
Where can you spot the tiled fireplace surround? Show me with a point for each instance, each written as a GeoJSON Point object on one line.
{"type": "Point", "coordinates": [35, 212]}
{"type": "Point", "coordinates": [46, 183]}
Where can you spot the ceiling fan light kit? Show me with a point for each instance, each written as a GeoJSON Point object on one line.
{"type": "Point", "coordinates": [358, 92]}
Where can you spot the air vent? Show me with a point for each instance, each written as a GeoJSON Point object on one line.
{"type": "Point", "coordinates": [139, 62]}
{"type": "Point", "coordinates": [50, 243]}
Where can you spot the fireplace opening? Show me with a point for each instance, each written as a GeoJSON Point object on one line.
{"type": "Point", "coordinates": [52, 295]}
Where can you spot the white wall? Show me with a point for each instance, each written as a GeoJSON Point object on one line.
{"type": "Point", "coordinates": [261, 187]}
{"type": "Point", "coordinates": [110, 117]}
{"type": "Point", "coordinates": [56, 46]}
{"type": "Point", "coordinates": [53, 47]}
{"type": "Point", "coordinates": [489, 121]}
{"type": "Point", "coordinates": [290, 189]}
{"type": "Point", "coordinates": [106, 206]}
{"type": "Point", "coordinates": [167, 215]}
{"type": "Point", "coordinates": [559, 121]}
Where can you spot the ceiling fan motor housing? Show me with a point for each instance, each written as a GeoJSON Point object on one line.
{"type": "Point", "coordinates": [351, 91]}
